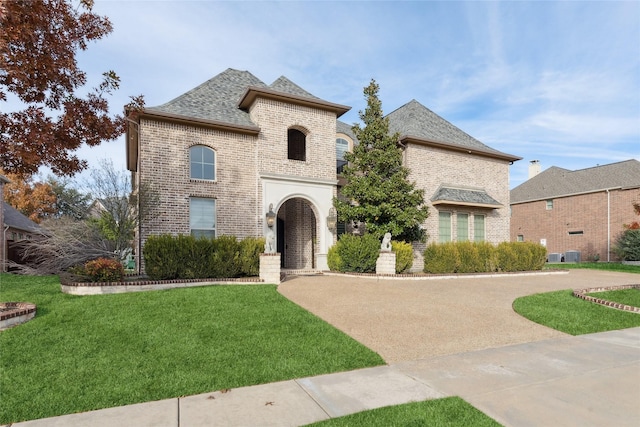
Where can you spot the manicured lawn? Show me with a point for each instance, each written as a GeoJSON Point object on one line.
{"type": "Point", "coordinates": [610, 266]}
{"type": "Point", "coordinates": [622, 296]}
{"type": "Point", "coordinates": [562, 311]}
{"type": "Point", "coordinates": [91, 352]}
{"type": "Point", "coordinates": [447, 412]}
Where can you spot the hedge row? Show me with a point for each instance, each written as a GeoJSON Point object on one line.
{"type": "Point", "coordinates": [483, 257]}
{"type": "Point", "coordinates": [186, 257]}
{"type": "Point", "coordinates": [359, 254]}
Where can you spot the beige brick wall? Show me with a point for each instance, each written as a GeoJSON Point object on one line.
{"type": "Point", "coordinates": [164, 162]}
{"type": "Point", "coordinates": [274, 119]}
{"type": "Point", "coordinates": [431, 167]}
{"type": "Point", "coordinates": [586, 213]}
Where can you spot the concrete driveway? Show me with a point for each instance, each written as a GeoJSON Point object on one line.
{"type": "Point", "coordinates": [404, 320]}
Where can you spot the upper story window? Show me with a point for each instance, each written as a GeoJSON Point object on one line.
{"type": "Point", "coordinates": [203, 162]}
{"type": "Point", "coordinates": [296, 145]}
{"type": "Point", "coordinates": [549, 204]}
{"type": "Point", "coordinates": [342, 146]}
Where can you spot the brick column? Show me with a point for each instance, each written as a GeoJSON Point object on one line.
{"type": "Point", "coordinates": [386, 263]}
{"type": "Point", "coordinates": [270, 268]}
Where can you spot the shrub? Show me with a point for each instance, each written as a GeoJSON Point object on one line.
{"type": "Point", "coordinates": [440, 258]}
{"type": "Point", "coordinates": [185, 257]}
{"type": "Point", "coordinates": [358, 253]}
{"type": "Point", "coordinates": [250, 250]}
{"type": "Point", "coordinates": [627, 245]}
{"type": "Point", "coordinates": [476, 257]}
{"type": "Point", "coordinates": [333, 258]}
{"type": "Point", "coordinates": [468, 258]}
{"type": "Point", "coordinates": [404, 256]}
{"type": "Point", "coordinates": [104, 270]}
{"type": "Point", "coordinates": [488, 255]}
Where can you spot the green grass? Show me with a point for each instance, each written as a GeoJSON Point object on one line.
{"type": "Point", "coordinates": [92, 352]}
{"type": "Point", "coordinates": [447, 412]}
{"type": "Point", "coordinates": [562, 311]}
{"type": "Point", "coordinates": [622, 296]}
{"type": "Point", "coordinates": [609, 266]}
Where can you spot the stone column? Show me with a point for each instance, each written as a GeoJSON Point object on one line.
{"type": "Point", "coordinates": [270, 268]}
{"type": "Point", "coordinates": [386, 263]}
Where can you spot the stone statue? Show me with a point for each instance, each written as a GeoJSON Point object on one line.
{"type": "Point", "coordinates": [386, 243]}
{"type": "Point", "coordinates": [270, 242]}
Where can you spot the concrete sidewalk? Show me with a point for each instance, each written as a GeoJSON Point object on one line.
{"type": "Point", "coordinates": [589, 380]}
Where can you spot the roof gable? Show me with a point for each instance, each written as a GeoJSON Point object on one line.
{"type": "Point", "coordinates": [414, 121]}
{"type": "Point", "coordinates": [557, 182]}
{"type": "Point", "coordinates": [15, 219]}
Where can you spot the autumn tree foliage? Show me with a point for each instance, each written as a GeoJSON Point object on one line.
{"type": "Point", "coordinates": [378, 192]}
{"type": "Point", "coordinates": [38, 70]}
{"type": "Point", "coordinates": [34, 199]}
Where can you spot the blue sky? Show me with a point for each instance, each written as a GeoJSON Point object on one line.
{"type": "Point", "coordinates": [557, 82]}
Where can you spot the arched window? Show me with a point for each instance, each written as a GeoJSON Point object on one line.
{"type": "Point", "coordinates": [203, 162]}
{"type": "Point", "coordinates": [342, 146]}
{"type": "Point", "coordinates": [296, 145]}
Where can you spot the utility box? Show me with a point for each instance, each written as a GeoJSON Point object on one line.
{"type": "Point", "coordinates": [572, 256]}
{"type": "Point", "coordinates": [554, 257]}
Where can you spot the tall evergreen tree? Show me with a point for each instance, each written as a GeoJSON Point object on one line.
{"type": "Point", "coordinates": [378, 192]}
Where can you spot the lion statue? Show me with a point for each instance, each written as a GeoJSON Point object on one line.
{"type": "Point", "coordinates": [386, 243]}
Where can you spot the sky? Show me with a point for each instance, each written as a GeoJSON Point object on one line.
{"type": "Point", "coordinates": [553, 81]}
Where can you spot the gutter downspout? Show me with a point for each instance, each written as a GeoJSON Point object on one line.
{"type": "Point", "coordinates": [608, 226]}
{"type": "Point", "coordinates": [5, 251]}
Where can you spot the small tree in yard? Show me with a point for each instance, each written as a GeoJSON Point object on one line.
{"type": "Point", "coordinates": [627, 245]}
{"type": "Point", "coordinates": [378, 192]}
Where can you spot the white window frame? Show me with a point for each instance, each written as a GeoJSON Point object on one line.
{"type": "Point", "coordinates": [202, 163]}
{"type": "Point", "coordinates": [462, 237]}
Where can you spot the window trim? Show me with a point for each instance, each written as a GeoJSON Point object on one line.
{"type": "Point", "coordinates": [215, 163]}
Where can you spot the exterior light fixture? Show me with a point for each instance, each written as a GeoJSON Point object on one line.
{"type": "Point", "coordinates": [332, 220]}
{"type": "Point", "coordinates": [271, 216]}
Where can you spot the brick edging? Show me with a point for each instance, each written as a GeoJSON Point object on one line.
{"type": "Point", "coordinates": [18, 309]}
{"type": "Point", "coordinates": [582, 294]}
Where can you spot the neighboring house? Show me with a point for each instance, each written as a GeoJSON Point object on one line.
{"type": "Point", "coordinates": [582, 210]}
{"type": "Point", "coordinates": [224, 154]}
{"type": "Point", "coordinates": [16, 228]}
{"type": "Point", "coordinates": [3, 247]}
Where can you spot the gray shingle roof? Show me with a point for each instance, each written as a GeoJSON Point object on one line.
{"type": "Point", "coordinates": [342, 127]}
{"type": "Point", "coordinates": [557, 182]}
{"type": "Point", "coordinates": [216, 99]}
{"type": "Point", "coordinates": [284, 85]}
{"type": "Point", "coordinates": [415, 120]}
{"type": "Point", "coordinates": [15, 219]}
{"type": "Point", "coordinates": [475, 197]}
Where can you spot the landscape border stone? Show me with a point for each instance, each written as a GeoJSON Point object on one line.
{"type": "Point", "coordinates": [582, 294]}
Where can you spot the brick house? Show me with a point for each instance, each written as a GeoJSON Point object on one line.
{"type": "Point", "coordinates": [582, 210]}
{"type": "Point", "coordinates": [3, 248]}
{"type": "Point", "coordinates": [229, 151]}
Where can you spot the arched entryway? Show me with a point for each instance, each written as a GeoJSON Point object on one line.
{"type": "Point", "coordinates": [297, 233]}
